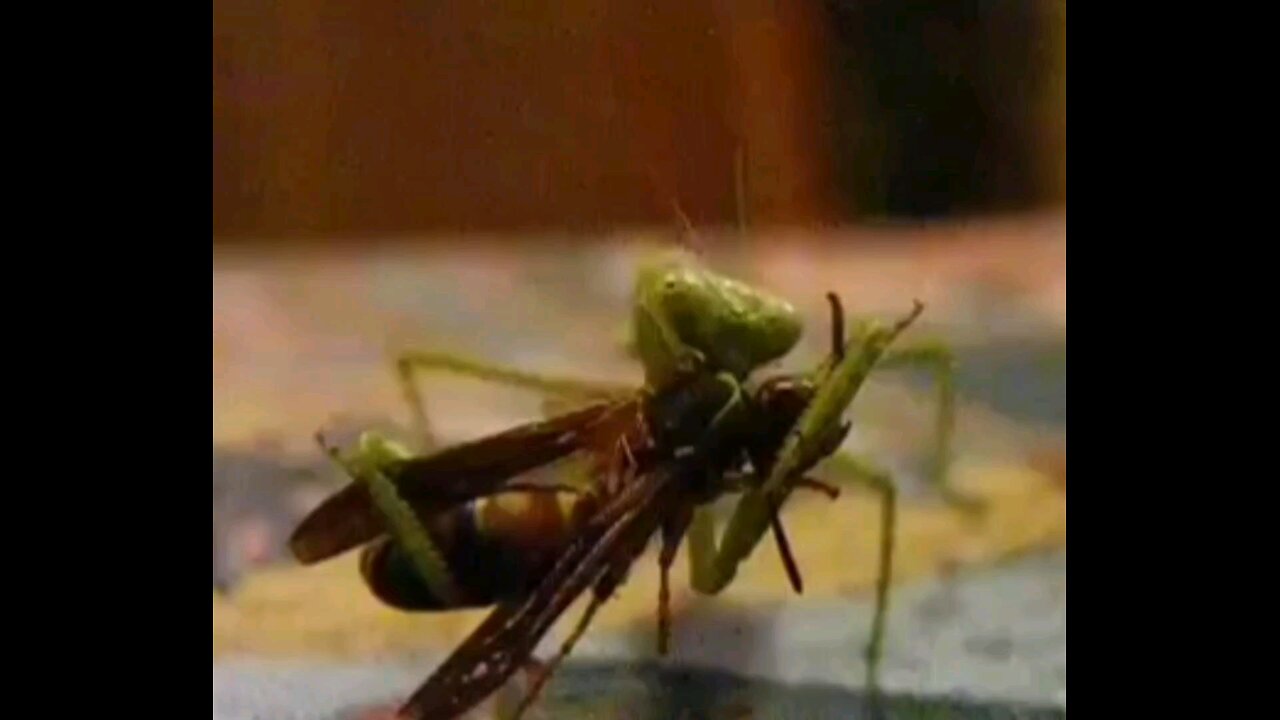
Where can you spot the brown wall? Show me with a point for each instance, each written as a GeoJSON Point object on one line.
{"type": "Point", "coordinates": [355, 119]}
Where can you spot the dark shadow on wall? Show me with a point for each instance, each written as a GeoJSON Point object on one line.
{"type": "Point", "coordinates": [948, 108]}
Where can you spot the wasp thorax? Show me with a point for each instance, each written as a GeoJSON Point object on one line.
{"type": "Point", "coordinates": [782, 399]}
{"type": "Point", "coordinates": [682, 414]}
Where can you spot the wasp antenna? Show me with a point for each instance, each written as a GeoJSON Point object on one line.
{"type": "Point", "coordinates": [837, 326]}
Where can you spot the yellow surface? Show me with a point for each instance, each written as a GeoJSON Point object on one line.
{"type": "Point", "coordinates": [325, 611]}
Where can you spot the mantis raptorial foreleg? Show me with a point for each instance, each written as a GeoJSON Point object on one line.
{"type": "Point", "coordinates": [672, 532]}
{"type": "Point", "coordinates": [713, 566]}
{"type": "Point", "coordinates": [659, 346]}
{"type": "Point", "coordinates": [366, 465]}
{"type": "Point", "coordinates": [938, 360]}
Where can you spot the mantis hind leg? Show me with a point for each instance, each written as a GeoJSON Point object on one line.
{"type": "Point", "coordinates": [938, 360]}
{"type": "Point", "coordinates": [881, 482]}
{"type": "Point", "coordinates": [409, 363]}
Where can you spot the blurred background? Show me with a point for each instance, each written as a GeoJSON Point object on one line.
{"type": "Point", "coordinates": [410, 118]}
{"type": "Point", "coordinates": [483, 177]}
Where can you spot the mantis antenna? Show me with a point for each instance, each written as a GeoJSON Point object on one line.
{"type": "Point", "coordinates": [688, 236]}
{"type": "Point", "coordinates": [740, 188]}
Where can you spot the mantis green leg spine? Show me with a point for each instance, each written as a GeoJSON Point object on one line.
{"type": "Point", "coordinates": [837, 385]}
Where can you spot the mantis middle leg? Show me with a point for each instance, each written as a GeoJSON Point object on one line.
{"type": "Point", "coordinates": [938, 360]}
{"type": "Point", "coordinates": [409, 363]}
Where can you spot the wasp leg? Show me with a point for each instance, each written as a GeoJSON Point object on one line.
{"type": "Point", "coordinates": [366, 466]}
{"type": "Point", "coordinates": [507, 698]}
{"type": "Point", "coordinates": [713, 565]}
{"type": "Point", "coordinates": [784, 550]}
{"type": "Point", "coordinates": [549, 667]}
{"type": "Point", "coordinates": [709, 569]}
{"type": "Point", "coordinates": [672, 533]}
{"type": "Point", "coordinates": [411, 362]}
{"type": "Point", "coordinates": [881, 482]}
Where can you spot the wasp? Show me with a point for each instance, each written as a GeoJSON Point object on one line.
{"type": "Point", "coordinates": [469, 526]}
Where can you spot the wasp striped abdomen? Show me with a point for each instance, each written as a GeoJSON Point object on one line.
{"type": "Point", "coordinates": [496, 547]}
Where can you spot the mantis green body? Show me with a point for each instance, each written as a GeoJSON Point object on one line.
{"type": "Point", "coordinates": [689, 320]}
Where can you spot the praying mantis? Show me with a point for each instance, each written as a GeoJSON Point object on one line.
{"type": "Point", "coordinates": [701, 426]}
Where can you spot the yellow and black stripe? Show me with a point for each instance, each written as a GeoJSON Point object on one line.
{"type": "Point", "coordinates": [496, 548]}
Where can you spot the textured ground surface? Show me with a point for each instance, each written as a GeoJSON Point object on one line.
{"type": "Point", "coordinates": [302, 341]}
{"type": "Point", "coordinates": [325, 611]}
{"type": "Point", "coordinates": [984, 644]}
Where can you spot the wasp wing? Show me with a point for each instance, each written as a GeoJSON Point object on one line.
{"type": "Point", "coordinates": [349, 518]}
{"type": "Point", "coordinates": [598, 556]}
